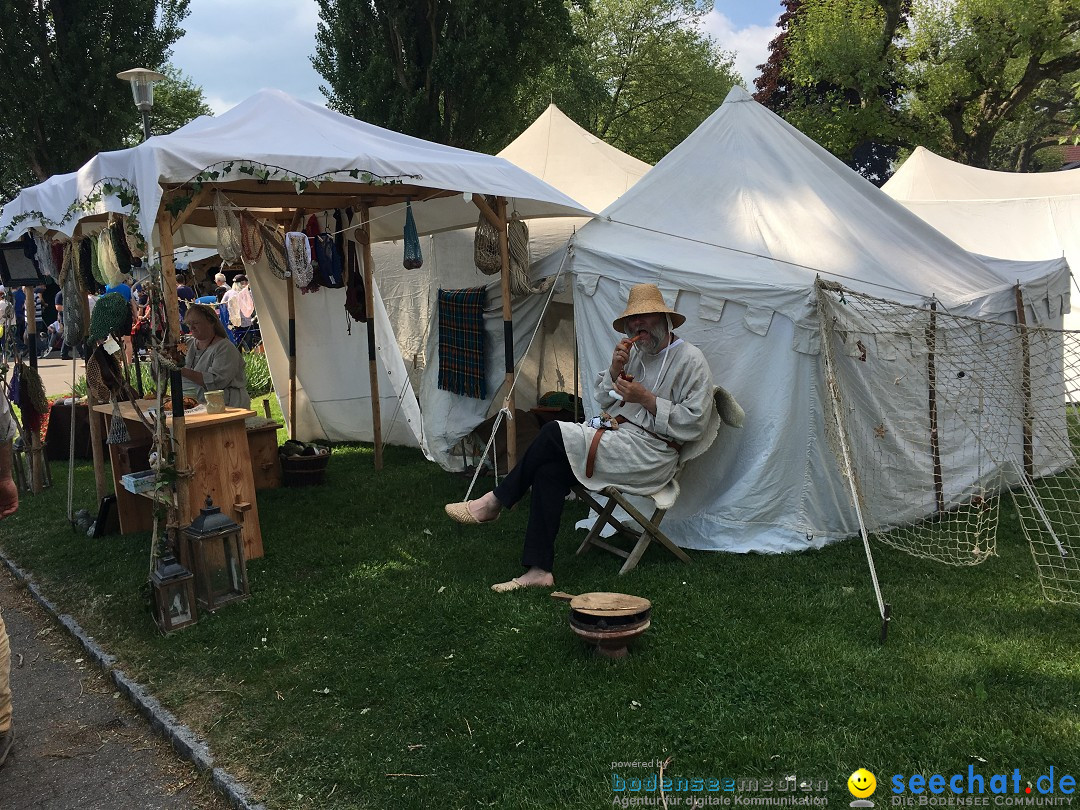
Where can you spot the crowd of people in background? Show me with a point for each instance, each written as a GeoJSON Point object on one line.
{"type": "Point", "coordinates": [233, 302]}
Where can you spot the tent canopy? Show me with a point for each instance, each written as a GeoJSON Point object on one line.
{"type": "Point", "coordinates": [343, 162]}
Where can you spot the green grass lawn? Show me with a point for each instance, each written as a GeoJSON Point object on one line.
{"type": "Point", "coordinates": [373, 667]}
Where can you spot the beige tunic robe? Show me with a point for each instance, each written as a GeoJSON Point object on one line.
{"type": "Point", "coordinates": [222, 367]}
{"type": "Point", "coordinates": [629, 458]}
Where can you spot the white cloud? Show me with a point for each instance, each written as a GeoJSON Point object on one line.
{"type": "Point", "coordinates": [750, 44]}
{"type": "Point", "coordinates": [236, 48]}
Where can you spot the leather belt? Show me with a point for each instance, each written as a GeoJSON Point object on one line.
{"type": "Point", "coordinates": [590, 459]}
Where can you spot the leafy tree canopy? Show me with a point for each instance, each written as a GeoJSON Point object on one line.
{"type": "Point", "coordinates": [985, 82]}
{"type": "Point", "coordinates": [641, 74]}
{"type": "Point", "coordinates": [441, 70]}
{"type": "Point", "coordinates": [59, 60]}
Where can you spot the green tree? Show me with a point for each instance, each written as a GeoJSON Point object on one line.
{"type": "Point", "coordinates": [59, 60]}
{"type": "Point", "coordinates": [441, 70]}
{"type": "Point", "coordinates": [642, 75]}
{"type": "Point", "coordinates": [985, 82]}
{"type": "Point", "coordinates": [842, 69]}
{"type": "Point", "coordinates": [979, 67]}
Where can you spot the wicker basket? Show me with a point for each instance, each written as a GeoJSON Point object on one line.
{"type": "Point", "coordinates": [303, 471]}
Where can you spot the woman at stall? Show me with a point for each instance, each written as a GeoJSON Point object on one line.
{"type": "Point", "coordinates": [213, 363]}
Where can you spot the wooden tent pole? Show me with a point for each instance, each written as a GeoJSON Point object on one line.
{"type": "Point", "coordinates": [290, 287]}
{"type": "Point", "coordinates": [37, 471]}
{"type": "Point", "coordinates": [178, 426]}
{"type": "Point", "coordinates": [369, 308]}
{"type": "Point", "coordinates": [931, 384]}
{"type": "Point", "coordinates": [1025, 383]}
{"type": "Point", "coordinates": [508, 332]}
{"type": "Point", "coordinates": [96, 420]}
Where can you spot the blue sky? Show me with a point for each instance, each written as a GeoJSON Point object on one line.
{"type": "Point", "coordinates": [237, 47]}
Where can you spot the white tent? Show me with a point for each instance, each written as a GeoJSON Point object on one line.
{"type": "Point", "coordinates": [1004, 214]}
{"type": "Point", "coordinates": [565, 156]}
{"type": "Point", "coordinates": [734, 225]}
{"type": "Point", "coordinates": [273, 152]}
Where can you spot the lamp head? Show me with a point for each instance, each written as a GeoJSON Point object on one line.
{"type": "Point", "coordinates": [142, 85]}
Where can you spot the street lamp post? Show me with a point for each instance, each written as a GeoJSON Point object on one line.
{"type": "Point", "coordinates": [142, 89]}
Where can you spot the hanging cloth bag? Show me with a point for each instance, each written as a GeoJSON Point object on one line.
{"type": "Point", "coordinates": [413, 259]}
{"type": "Point", "coordinates": [486, 254]}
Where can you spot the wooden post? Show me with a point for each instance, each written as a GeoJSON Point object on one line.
{"type": "Point", "coordinates": [37, 458]}
{"type": "Point", "coordinates": [931, 384]}
{"type": "Point", "coordinates": [101, 479]}
{"type": "Point", "coordinates": [178, 426]}
{"type": "Point", "coordinates": [1025, 383]}
{"type": "Point", "coordinates": [290, 285]}
{"type": "Point", "coordinates": [508, 333]}
{"type": "Point", "coordinates": [373, 369]}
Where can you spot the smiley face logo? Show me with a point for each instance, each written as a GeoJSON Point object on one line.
{"type": "Point", "coordinates": [861, 783]}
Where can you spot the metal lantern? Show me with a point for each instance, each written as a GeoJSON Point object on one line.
{"type": "Point", "coordinates": [215, 549]}
{"type": "Point", "coordinates": [174, 595]}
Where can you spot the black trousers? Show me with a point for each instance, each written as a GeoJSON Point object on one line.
{"type": "Point", "coordinates": [545, 469]}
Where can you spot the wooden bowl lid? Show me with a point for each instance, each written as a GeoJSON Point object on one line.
{"type": "Point", "coordinates": [603, 603]}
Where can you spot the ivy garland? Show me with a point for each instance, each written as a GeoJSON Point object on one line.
{"type": "Point", "coordinates": [265, 172]}
{"type": "Point", "coordinates": [128, 195]}
{"type": "Point", "coordinates": [117, 187]}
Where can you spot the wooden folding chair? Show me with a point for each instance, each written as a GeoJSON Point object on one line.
{"type": "Point", "coordinates": [647, 529]}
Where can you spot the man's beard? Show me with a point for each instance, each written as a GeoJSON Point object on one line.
{"type": "Point", "coordinates": [653, 341]}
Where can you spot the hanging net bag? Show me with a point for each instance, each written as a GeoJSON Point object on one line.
{"type": "Point", "coordinates": [228, 230]}
{"type": "Point", "coordinates": [486, 253]}
{"type": "Point", "coordinates": [414, 259]}
{"type": "Point", "coordinates": [74, 320]}
{"type": "Point", "coordinates": [274, 243]}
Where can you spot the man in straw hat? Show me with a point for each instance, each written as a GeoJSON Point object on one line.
{"type": "Point", "coordinates": [659, 391]}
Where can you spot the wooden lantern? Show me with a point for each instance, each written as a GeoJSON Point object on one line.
{"type": "Point", "coordinates": [215, 548]}
{"type": "Point", "coordinates": [174, 595]}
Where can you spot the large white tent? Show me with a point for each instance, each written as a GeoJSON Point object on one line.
{"type": "Point", "coordinates": [734, 225]}
{"type": "Point", "coordinates": [1009, 215]}
{"type": "Point", "coordinates": [565, 156]}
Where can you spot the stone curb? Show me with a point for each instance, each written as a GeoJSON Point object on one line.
{"type": "Point", "coordinates": [183, 740]}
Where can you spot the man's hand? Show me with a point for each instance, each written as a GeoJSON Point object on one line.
{"type": "Point", "coordinates": [633, 391]}
{"type": "Point", "coordinates": [620, 357]}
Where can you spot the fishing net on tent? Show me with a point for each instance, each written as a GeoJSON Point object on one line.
{"type": "Point", "coordinates": [933, 417]}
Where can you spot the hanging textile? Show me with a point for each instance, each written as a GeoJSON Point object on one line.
{"type": "Point", "coordinates": [57, 251]}
{"type": "Point", "coordinates": [44, 257]}
{"type": "Point", "coordinates": [252, 244]}
{"type": "Point", "coordinates": [120, 247]}
{"type": "Point", "coordinates": [110, 269]}
{"type": "Point", "coordinates": [461, 342]}
{"type": "Point", "coordinates": [274, 244]}
{"type": "Point", "coordinates": [413, 258]}
{"type": "Point", "coordinates": [330, 264]}
{"type": "Point", "coordinates": [355, 294]}
{"type": "Point", "coordinates": [111, 315]}
{"type": "Point", "coordinates": [86, 265]}
{"type": "Point", "coordinates": [95, 262]}
{"type": "Point", "coordinates": [70, 284]}
{"type": "Point", "coordinates": [228, 229]}
{"type": "Point", "coordinates": [298, 258]}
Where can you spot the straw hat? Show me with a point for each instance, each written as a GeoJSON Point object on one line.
{"type": "Point", "coordinates": [643, 300]}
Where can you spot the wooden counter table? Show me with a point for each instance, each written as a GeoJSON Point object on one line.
{"type": "Point", "coordinates": [217, 451]}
